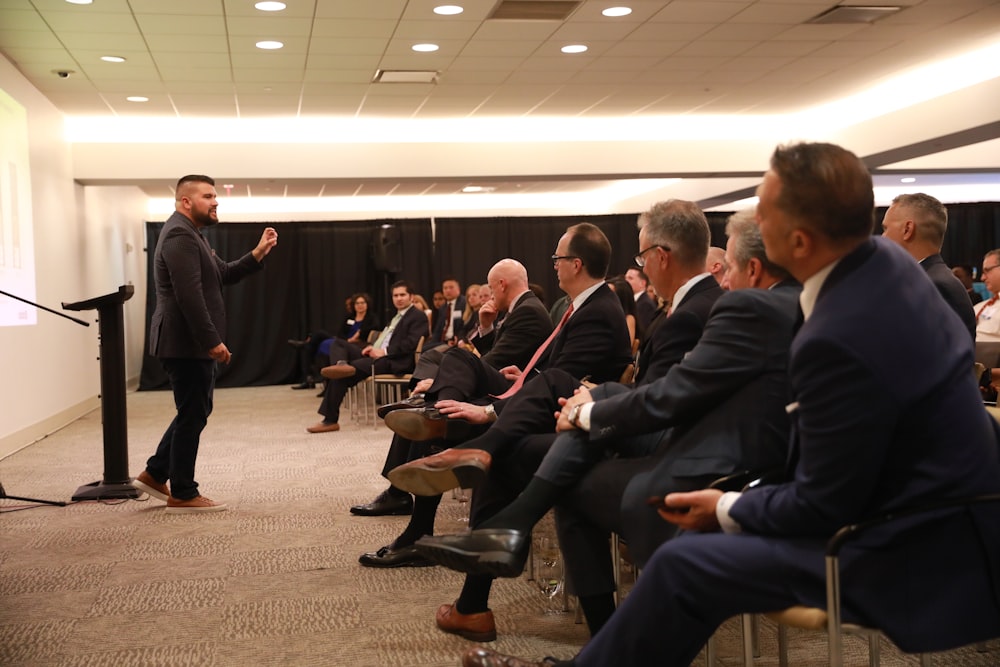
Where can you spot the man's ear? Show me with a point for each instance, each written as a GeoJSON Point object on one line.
{"type": "Point", "coordinates": [909, 230]}
{"type": "Point", "coordinates": [755, 271]}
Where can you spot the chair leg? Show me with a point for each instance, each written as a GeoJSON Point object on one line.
{"type": "Point", "coordinates": [747, 621]}
{"type": "Point", "coordinates": [710, 652]}
{"type": "Point", "coordinates": [874, 649]}
{"type": "Point", "coordinates": [782, 646]}
{"type": "Point", "coordinates": [616, 561]}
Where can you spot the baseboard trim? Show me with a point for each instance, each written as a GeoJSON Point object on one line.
{"type": "Point", "coordinates": [26, 437]}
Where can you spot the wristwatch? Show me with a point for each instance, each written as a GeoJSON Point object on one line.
{"type": "Point", "coordinates": [491, 414]}
{"type": "Point", "coordinates": [574, 415]}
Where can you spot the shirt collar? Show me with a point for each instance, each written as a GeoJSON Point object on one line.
{"type": "Point", "coordinates": [684, 289]}
{"type": "Point", "coordinates": [811, 287]}
{"type": "Point", "coordinates": [584, 295]}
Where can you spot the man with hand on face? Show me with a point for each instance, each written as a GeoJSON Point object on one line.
{"type": "Point", "coordinates": [187, 333]}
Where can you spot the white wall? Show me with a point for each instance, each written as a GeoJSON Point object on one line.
{"type": "Point", "coordinates": [51, 374]}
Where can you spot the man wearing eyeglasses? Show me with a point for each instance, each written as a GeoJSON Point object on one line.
{"type": "Point", "coordinates": [988, 312]}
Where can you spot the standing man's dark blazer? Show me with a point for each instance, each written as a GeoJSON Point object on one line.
{"type": "Point", "coordinates": [673, 337]}
{"type": "Point", "coordinates": [190, 317]}
{"type": "Point", "coordinates": [952, 290]}
{"type": "Point", "coordinates": [441, 325]}
{"type": "Point", "coordinates": [514, 339]}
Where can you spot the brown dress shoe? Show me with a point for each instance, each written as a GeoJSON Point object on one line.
{"type": "Point", "coordinates": [323, 427]}
{"type": "Point", "coordinates": [483, 657]}
{"type": "Point", "coordinates": [478, 627]}
{"type": "Point", "coordinates": [450, 469]}
{"type": "Point", "coordinates": [145, 482]}
{"type": "Point", "coordinates": [338, 371]}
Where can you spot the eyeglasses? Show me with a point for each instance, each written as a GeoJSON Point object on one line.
{"type": "Point", "coordinates": [640, 261]}
{"type": "Point", "coordinates": [556, 258]}
{"type": "Point", "coordinates": [987, 270]}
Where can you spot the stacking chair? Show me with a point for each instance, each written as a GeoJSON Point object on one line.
{"type": "Point", "coordinates": [828, 619]}
{"type": "Point", "coordinates": [391, 385]}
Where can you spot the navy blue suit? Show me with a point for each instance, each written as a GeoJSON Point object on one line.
{"type": "Point", "coordinates": [886, 413]}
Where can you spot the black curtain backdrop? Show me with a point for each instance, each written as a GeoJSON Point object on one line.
{"type": "Point", "coordinates": [317, 265]}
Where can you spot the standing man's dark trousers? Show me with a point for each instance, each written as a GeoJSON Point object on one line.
{"type": "Point", "coordinates": [193, 383]}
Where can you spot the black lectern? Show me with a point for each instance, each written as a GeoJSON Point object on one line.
{"type": "Point", "coordinates": [111, 332]}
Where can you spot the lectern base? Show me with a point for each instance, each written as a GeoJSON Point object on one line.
{"type": "Point", "coordinates": [102, 491]}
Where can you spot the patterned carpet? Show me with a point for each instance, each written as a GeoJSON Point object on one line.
{"type": "Point", "coordinates": [273, 581]}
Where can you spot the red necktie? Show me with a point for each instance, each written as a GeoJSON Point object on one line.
{"type": "Point", "coordinates": [534, 359]}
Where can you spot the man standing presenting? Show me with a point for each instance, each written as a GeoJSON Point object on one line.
{"type": "Point", "coordinates": [187, 333]}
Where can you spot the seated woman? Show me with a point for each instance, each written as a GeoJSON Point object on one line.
{"type": "Point", "coordinates": [316, 348]}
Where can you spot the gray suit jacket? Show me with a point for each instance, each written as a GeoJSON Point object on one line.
{"type": "Point", "coordinates": [724, 406]}
{"type": "Point", "coordinates": [190, 317]}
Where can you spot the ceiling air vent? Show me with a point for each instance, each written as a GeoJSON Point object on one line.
{"type": "Point", "coordinates": [405, 76]}
{"type": "Point", "coordinates": [534, 10]}
{"type": "Point", "coordinates": [854, 14]}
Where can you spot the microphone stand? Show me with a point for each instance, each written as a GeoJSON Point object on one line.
{"type": "Point", "coordinates": [3, 492]}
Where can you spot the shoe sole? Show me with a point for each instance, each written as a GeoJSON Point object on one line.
{"type": "Point", "coordinates": [196, 510]}
{"type": "Point", "coordinates": [427, 481]}
{"type": "Point", "coordinates": [402, 511]}
{"type": "Point", "coordinates": [472, 636]}
{"type": "Point", "coordinates": [494, 563]}
{"type": "Point", "coordinates": [413, 426]}
{"type": "Point", "coordinates": [406, 563]}
{"type": "Point", "coordinates": [146, 488]}
{"type": "Point", "coordinates": [339, 375]}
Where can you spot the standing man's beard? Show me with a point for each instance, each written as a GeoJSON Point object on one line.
{"type": "Point", "coordinates": [205, 220]}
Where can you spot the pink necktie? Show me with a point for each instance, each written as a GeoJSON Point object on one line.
{"type": "Point", "coordinates": [534, 359]}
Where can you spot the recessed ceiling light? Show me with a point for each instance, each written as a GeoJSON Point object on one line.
{"type": "Point", "coordinates": [270, 6]}
{"type": "Point", "coordinates": [137, 98]}
{"type": "Point", "coordinates": [574, 48]}
{"type": "Point", "coordinates": [908, 179]}
{"type": "Point", "coordinates": [269, 44]}
{"type": "Point", "coordinates": [469, 189]}
{"type": "Point", "coordinates": [112, 59]}
{"type": "Point", "coordinates": [617, 11]}
{"type": "Point", "coordinates": [448, 10]}
{"type": "Point", "coordinates": [79, 2]}
{"type": "Point", "coordinates": [425, 48]}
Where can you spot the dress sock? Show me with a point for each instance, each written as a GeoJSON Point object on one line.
{"type": "Point", "coordinates": [421, 521]}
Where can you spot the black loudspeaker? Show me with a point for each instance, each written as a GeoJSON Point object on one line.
{"type": "Point", "coordinates": [386, 249]}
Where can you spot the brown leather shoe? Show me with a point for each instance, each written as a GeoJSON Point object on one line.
{"type": "Point", "coordinates": [145, 482]}
{"type": "Point", "coordinates": [450, 469]}
{"type": "Point", "coordinates": [323, 427]}
{"type": "Point", "coordinates": [338, 371]}
{"type": "Point", "coordinates": [483, 657]}
{"type": "Point", "coordinates": [478, 627]}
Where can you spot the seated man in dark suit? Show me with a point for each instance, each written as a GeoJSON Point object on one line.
{"type": "Point", "coordinates": [886, 415]}
{"type": "Point", "coordinates": [645, 307]}
{"type": "Point", "coordinates": [719, 410]}
{"type": "Point", "coordinates": [592, 338]}
{"type": "Point", "coordinates": [392, 352]}
{"type": "Point", "coordinates": [513, 323]}
{"type": "Point", "coordinates": [448, 324]}
{"type": "Point", "coordinates": [918, 222]}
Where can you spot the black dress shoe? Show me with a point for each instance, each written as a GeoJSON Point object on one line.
{"type": "Point", "coordinates": [414, 401]}
{"type": "Point", "coordinates": [386, 504]}
{"type": "Point", "coordinates": [387, 556]}
{"type": "Point", "coordinates": [297, 343]}
{"type": "Point", "coordinates": [498, 552]}
{"type": "Point", "coordinates": [422, 424]}
{"type": "Point", "coordinates": [308, 384]}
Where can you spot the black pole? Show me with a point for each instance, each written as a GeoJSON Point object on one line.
{"type": "Point", "coordinates": [54, 312]}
